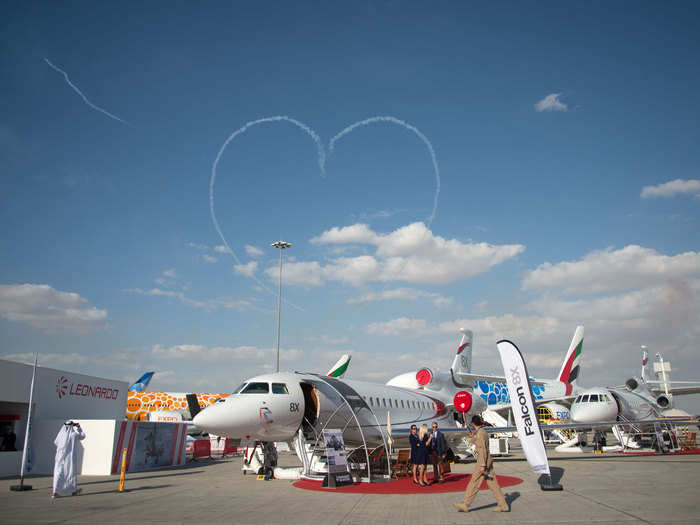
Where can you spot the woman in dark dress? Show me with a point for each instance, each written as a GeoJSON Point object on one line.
{"type": "Point", "coordinates": [415, 450]}
{"type": "Point", "coordinates": [422, 459]}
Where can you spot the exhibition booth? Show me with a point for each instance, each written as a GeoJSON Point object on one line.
{"type": "Point", "coordinates": [98, 404]}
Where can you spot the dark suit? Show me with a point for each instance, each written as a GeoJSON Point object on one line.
{"type": "Point", "coordinates": [439, 444]}
{"type": "Point", "coordinates": [437, 454]}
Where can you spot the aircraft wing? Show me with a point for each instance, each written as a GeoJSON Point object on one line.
{"type": "Point", "coordinates": [677, 388]}
{"type": "Point", "coordinates": [468, 380]}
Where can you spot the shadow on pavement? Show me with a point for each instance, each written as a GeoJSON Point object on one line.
{"type": "Point", "coordinates": [556, 473]}
{"type": "Point", "coordinates": [137, 489]}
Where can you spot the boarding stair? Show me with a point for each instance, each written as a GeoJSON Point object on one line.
{"type": "Point", "coordinates": [661, 436]}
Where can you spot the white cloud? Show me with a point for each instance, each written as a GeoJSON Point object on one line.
{"type": "Point", "coordinates": [240, 305]}
{"type": "Point", "coordinates": [71, 359]}
{"type": "Point", "coordinates": [671, 303]}
{"type": "Point", "coordinates": [43, 307]}
{"type": "Point", "coordinates": [220, 248]}
{"type": "Point", "coordinates": [117, 364]}
{"type": "Point", "coordinates": [673, 188]}
{"type": "Point", "coordinates": [219, 354]}
{"type": "Point", "coordinates": [209, 258]}
{"type": "Point", "coordinates": [253, 251]}
{"type": "Point", "coordinates": [357, 233]}
{"type": "Point", "coordinates": [157, 292]}
{"type": "Point", "coordinates": [246, 269]}
{"type": "Point", "coordinates": [406, 294]}
{"type": "Point", "coordinates": [170, 273]}
{"type": "Point", "coordinates": [403, 326]}
{"type": "Point", "coordinates": [600, 271]}
{"type": "Point", "coordinates": [491, 328]}
{"type": "Point", "coordinates": [410, 254]}
{"type": "Point", "coordinates": [551, 103]}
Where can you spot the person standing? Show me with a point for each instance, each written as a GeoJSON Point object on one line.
{"type": "Point", "coordinates": [415, 445]}
{"type": "Point", "coordinates": [9, 438]}
{"type": "Point", "coordinates": [439, 450]}
{"type": "Point", "coordinates": [423, 445]}
{"type": "Point", "coordinates": [482, 471]}
{"type": "Point", "coordinates": [65, 468]}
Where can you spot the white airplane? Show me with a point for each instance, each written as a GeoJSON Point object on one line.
{"type": "Point", "coordinates": [275, 407]}
{"type": "Point", "coordinates": [552, 396]}
{"type": "Point", "coordinates": [143, 405]}
{"type": "Point", "coordinates": [639, 398]}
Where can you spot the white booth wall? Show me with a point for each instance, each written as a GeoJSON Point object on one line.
{"type": "Point", "coordinates": [59, 395]}
{"type": "Point", "coordinates": [94, 453]}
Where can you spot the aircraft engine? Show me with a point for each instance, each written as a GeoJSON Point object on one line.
{"type": "Point", "coordinates": [665, 401]}
{"type": "Point", "coordinates": [632, 384]}
{"type": "Point", "coordinates": [640, 388]}
{"type": "Point", "coordinates": [424, 377]}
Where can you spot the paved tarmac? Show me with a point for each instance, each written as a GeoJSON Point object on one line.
{"type": "Point", "coordinates": [597, 489]}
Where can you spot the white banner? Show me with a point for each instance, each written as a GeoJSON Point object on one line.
{"type": "Point", "coordinates": [523, 406]}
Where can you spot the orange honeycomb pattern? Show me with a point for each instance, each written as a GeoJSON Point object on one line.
{"type": "Point", "coordinates": [138, 404]}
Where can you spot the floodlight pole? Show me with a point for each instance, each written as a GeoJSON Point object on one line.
{"type": "Point", "coordinates": [281, 245]}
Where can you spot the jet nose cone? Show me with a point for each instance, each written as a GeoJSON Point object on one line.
{"type": "Point", "coordinates": [206, 420]}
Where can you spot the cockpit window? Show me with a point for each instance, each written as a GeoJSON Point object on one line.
{"type": "Point", "coordinates": [584, 399]}
{"type": "Point", "coordinates": [256, 388]}
{"type": "Point", "coordinates": [239, 388]}
{"type": "Point", "coordinates": [594, 398]}
{"type": "Point", "coordinates": [279, 388]}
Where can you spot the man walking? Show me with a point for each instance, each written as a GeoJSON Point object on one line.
{"type": "Point", "coordinates": [482, 471]}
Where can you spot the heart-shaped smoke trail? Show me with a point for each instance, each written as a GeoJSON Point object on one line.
{"type": "Point", "coordinates": [394, 120]}
{"type": "Point", "coordinates": [322, 157]}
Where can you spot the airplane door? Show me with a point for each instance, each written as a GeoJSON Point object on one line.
{"type": "Point", "coordinates": [311, 405]}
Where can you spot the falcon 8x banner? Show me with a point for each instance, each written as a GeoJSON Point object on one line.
{"type": "Point", "coordinates": [523, 406]}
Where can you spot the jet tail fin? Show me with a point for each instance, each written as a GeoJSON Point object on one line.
{"type": "Point", "coordinates": [571, 367]}
{"type": "Point", "coordinates": [141, 383]}
{"type": "Point", "coordinates": [645, 360]}
{"type": "Point", "coordinates": [193, 405]}
{"type": "Point", "coordinates": [462, 363]}
{"type": "Point", "coordinates": [339, 369]}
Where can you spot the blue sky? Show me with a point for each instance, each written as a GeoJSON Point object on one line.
{"type": "Point", "coordinates": [565, 137]}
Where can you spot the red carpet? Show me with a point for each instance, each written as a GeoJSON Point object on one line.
{"type": "Point", "coordinates": [453, 483]}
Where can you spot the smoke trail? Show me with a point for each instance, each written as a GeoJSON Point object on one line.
{"type": "Point", "coordinates": [243, 129]}
{"type": "Point", "coordinates": [85, 99]}
{"type": "Point", "coordinates": [322, 157]}
{"type": "Point", "coordinates": [409, 127]}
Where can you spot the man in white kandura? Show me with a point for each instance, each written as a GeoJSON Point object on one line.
{"type": "Point", "coordinates": [65, 468]}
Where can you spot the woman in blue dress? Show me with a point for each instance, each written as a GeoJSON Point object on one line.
{"type": "Point", "coordinates": [423, 453]}
{"type": "Point", "coordinates": [415, 450]}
